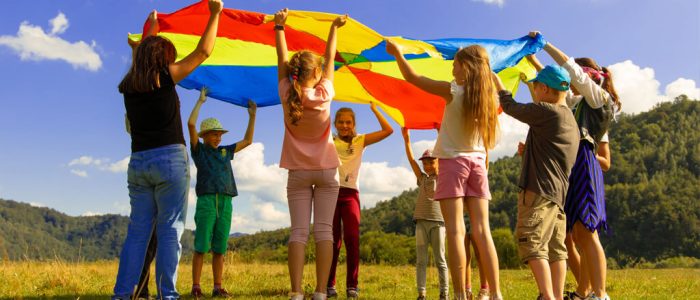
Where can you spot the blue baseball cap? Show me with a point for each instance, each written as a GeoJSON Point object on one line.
{"type": "Point", "coordinates": [553, 76]}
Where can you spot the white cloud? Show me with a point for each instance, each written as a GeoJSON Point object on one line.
{"type": "Point", "coordinates": [85, 161]}
{"type": "Point", "coordinates": [420, 146]}
{"type": "Point", "coordinates": [499, 3]}
{"type": "Point", "coordinates": [379, 181]}
{"type": "Point", "coordinates": [79, 173]}
{"type": "Point", "coordinates": [639, 90]}
{"type": "Point", "coordinates": [267, 182]}
{"type": "Point", "coordinates": [101, 164]}
{"type": "Point", "coordinates": [92, 214]}
{"type": "Point", "coordinates": [33, 43]}
{"type": "Point", "coordinates": [512, 132]}
{"type": "Point", "coordinates": [683, 86]}
{"type": "Point", "coordinates": [269, 213]}
{"type": "Point", "coordinates": [59, 24]}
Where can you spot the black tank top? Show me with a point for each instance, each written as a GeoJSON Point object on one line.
{"type": "Point", "coordinates": [154, 116]}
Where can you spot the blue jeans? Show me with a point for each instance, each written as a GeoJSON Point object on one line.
{"type": "Point", "coordinates": [158, 187]}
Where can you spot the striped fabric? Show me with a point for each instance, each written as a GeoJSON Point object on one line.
{"type": "Point", "coordinates": [585, 199]}
{"type": "Point", "coordinates": [243, 64]}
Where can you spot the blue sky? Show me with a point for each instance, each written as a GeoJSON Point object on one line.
{"type": "Point", "coordinates": [62, 125]}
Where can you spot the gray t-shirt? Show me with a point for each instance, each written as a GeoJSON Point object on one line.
{"type": "Point", "coordinates": [550, 149]}
{"type": "Point", "coordinates": [426, 206]}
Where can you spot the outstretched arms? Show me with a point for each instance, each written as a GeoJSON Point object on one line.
{"type": "Point", "coordinates": [435, 87]}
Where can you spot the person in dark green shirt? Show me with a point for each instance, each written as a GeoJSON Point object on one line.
{"type": "Point", "coordinates": [215, 189]}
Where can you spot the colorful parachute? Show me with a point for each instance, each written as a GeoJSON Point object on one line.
{"type": "Point", "coordinates": [243, 64]}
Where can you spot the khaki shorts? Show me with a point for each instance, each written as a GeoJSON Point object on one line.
{"type": "Point", "coordinates": [541, 228]}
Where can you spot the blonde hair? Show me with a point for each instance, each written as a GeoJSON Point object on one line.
{"type": "Point", "coordinates": [479, 103]}
{"type": "Point", "coordinates": [301, 68]}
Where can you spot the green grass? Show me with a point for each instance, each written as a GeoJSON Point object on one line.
{"type": "Point", "coordinates": [94, 280]}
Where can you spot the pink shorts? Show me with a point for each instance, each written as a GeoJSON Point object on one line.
{"type": "Point", "coordinates": [462, 177]}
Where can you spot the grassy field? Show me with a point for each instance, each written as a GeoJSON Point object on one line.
{"type": "Point", "coordinates": [94, 280]}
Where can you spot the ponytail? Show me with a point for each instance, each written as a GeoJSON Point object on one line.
{"type": "Point", "coordinates": [610, 88]}
{"type": "Point", "coordinates": [301, 67]}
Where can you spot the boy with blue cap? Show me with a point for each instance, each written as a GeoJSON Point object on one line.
{"type": "Point", "coordinates": [550, 153]}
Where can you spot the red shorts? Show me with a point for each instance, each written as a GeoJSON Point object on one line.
{"type": "Point", "coordinates": [464, 176]}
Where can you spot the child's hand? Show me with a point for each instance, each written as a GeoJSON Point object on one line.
{"type": "Point", "coordinates": [133, 44]}
{"type": "Point", "coordinates": [215, 6]}
{"type": "Point", "coordinates": [373, 106]}
{"type": "Point", "coordinates": [252, 107]}
{"type": "Point", "coordinates": [533, 34]}
{"type": "Point", "coordinates": [281, 16]}
{"type": "Point", "coordinates": [523, 77]}
{"type": "Point", "coordinates": [153, 17]}
{"type": "Point", "coordinates": [203, 95]}
{"type": "Point", "coordinates": [521, 148]}
{"type": "Point", "coordinates": [340, 21]}
{"type": "Point", "coordinates": [392, 48]}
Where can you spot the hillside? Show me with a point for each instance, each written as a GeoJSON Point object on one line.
{"type": "Point", "coordinates": [652, 192]}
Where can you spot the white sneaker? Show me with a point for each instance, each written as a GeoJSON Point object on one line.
{"type": "Point", "coordinates": [319, 296]}
{"type": "Point", "coordinates": [296, 296]}
{"type": "Point", "coordinates": [483, 295]}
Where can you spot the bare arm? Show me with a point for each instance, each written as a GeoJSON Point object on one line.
{"type": "Point", "coordinates": [535, 62]}
{"type": "Point", "coordinates": [281, 45]}
{"type": "Point", "coordinates": [603, 156]}
{"type": "Point", "coordinates": [386, 130]}
{"type": "Point", "coordinates": [182, 68]}
{"type": "Point", "coordinates": [192, 121]}
{"type": "Point", "coordinates": [331, 45]}
{"type": "Point", "coordinates": [409, 152]}
{"type": "Point", "coordinates": [248, 138]}
{"type": "Point", "coordinates": [152, 30]}
{"type": "Point", "coordinates": [435, 87]}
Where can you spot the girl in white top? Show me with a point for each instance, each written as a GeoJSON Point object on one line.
{"type": "Point", "coordinates": [346, 221]}
{"type": "Point", "coordinates": [468, 130]}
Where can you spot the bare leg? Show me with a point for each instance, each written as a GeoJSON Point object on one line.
{"type": "Point", "coordinates": [479, 216]}
{"type": "Point", "coordinates": [455, 232]}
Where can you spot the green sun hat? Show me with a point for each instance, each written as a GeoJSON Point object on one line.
{"type": "Point", "coordinates": [210, 124]}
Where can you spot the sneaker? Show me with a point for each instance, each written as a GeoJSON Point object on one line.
{"type": "Point", "coordinates": [445, 296]}
{"type": "Point", "coordinates": [592, 296]}
{"type": "Point", "coordinates": [470, 295]}
{"type": "Point", "coordinates": [421, 297]}
{"type": "Point", "coordinates": [573, 295]}
{"type": "Point", "coordinates": [331, 292]}
{"type": "Point", "coordinates": [197, 293]}
{"type": "Point", "coordinates": [319, 296]}
{"type": "Point", "coordinates": [483, 295]}
{"type": "Point", "coordinates": [296, 296]}
{"type": "Point", "coordinates": [220, 293]}
{"type": "Point", "coordinates": [353, 293]}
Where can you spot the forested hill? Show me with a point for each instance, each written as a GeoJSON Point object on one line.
{"type": "Point", "coordinates": [652, 191]}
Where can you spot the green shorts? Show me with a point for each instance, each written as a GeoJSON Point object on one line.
{"type": "Point", "coordinates": [213, 221]}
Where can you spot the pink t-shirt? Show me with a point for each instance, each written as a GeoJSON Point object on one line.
{"type": "Point", "coordinates": [308, 145]}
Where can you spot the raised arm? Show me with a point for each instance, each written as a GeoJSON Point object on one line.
{"type": "Point", "coordinates": [281, 44]}
{"type": "Point", "coordinates": [527, 113]}
{"type": "Point", "coordinates": [595, 95]}
{"type": "Point", "coordinates": [153, 29]}
{"type": "Point", "coordinates": [409, 152]}
{"type": "Point", "coordinates": [192, 121]}
{"type": "Point", "coordinates": [535, 62]}
{"type": "Point", "coordinates": [182, 68]}
{"type": "Point", "coordinates": [435, 87]}
{"type": "Point", "coordinates": [386, 130]}
{"type": "Point", "coordinates": [248, 138]}
{"type": "Point", "coordinates": [331, 45]}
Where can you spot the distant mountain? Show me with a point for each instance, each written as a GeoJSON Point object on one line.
{"type": "Point", "coordinates": [29, 232]}
{"type": "Point", "coordinates": [652, 192]}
